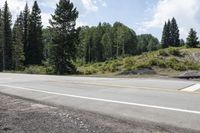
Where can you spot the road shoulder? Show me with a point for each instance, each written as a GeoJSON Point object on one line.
{"type": "Point", "coordinates": [21, 115]}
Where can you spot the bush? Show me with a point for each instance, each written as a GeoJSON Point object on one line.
{"type": "Point", "coordinates": [142, 65]}
{"type": "Point", "coordinates": [110, 67]}
{"type": "Point", "coordinates": [129, 63]}
{"type": "Point", "coordinates": [113, 67]}
{"type": "Point", "coordinates": [175, 64]}
{"type": "Point", "coordinates": [158, 62]}
{"type": "Point", "coordinates": [163, 52]}
{"type": "Point", "coordinates": [191, 65]}
{"type": "Point", "coordinates": [88, 70]}
{"type": "Point", "coordinates": [174, 51]}
{"type": "Point", "coordinates": [36, 70]}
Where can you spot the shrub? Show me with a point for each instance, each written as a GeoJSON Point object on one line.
{"type": "Point", "coordinates": [163, 52]}
{"type": "Point", "coordinates": [129, 63]}
{"type": "Point", "coordinates": [191, 65]}
{"type": "Point", "coordinates": [36, 70]}
{"type": "Point", "coordinates": [143, 65]}
{"type": "Point", "coordinates": [174, 51]}
{"type": "Point", "coordinates": [175, 64]}
{"type": "Point", "coordinates": [110, 67]}
{"type": "Point", "coordinates": [88, 70]}
{"type": "Point", "coordinates": [158, 62]}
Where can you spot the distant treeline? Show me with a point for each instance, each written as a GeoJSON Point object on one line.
{"type": "Point", "coordinates": [105, 42]}
{"type": "Point", "coordinates": [27, 43]}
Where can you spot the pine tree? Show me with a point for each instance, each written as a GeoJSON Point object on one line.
{"type": "Point", "coordinates": [192, 39]}
{"type": "Point", "coordinates": [7, 38]}
{"type": "Point", "coordinates": [63, 25]}
{"type": "Point", "coordinates": [165, 36]}
{"type": "Point", "coordinates": [35, 45]}
{"type": "Point", "coordinates": [169, 34]}
{"type": "Point", "coordinates": [26, 14]}
{"type": "Point", "coordinates": [18, 46]}
{"type": "Point", "coordinates": [174, 33]}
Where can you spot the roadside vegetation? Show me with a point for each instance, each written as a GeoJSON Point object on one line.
{"type": "Point", "coordinates": [175, 59]}
{"type": "Point", "coordinates": [27, 46]}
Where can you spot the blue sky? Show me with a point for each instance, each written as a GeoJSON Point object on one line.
{"type": "Point", "coordinates": [143, 16]}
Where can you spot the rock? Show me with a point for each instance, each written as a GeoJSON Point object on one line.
{"type": "Point", "coordinates": [190, 74]}
{"type": "Point", "coordinates": [139, 71]}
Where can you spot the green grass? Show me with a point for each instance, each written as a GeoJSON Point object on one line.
{"type": "Point", "coordinates": [177, 59]}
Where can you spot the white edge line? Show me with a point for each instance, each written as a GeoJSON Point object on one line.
{"type": "Point", "coordinates": [106, 100]}
{"type": "Point", "coordinates": [192, 88]}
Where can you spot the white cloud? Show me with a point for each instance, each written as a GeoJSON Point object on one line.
{"type": "Point", "coordinates": [90, 5]}
{"type": "Point", "coordinates": [47, 7]}
{"type": "Point", "coordinates": [93, 5]}
{"type": "Point", "coordinates": [16, 6]}
{"type": "Point", "coordinates": [185, 11]}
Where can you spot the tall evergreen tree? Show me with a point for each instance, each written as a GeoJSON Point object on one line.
{"type": "Point", "coordinates": [7, 38]}
{"type": "Point", "coordinates": [169, 33]}
{"type": "Point", "coordinates": [165, 36]}
{"type": "Point", "coordinates": [192, 39]}
{"type": "Point", "coordinates": [35, 45]}
{"type": "Point", "coordinates": [26, 14]}
{"type": "Point", "coordinates": [174, 33]}
{"type": "Point", "coordinates": [18, 46]}
{"type": "Point", "coordinates": [63, 26]}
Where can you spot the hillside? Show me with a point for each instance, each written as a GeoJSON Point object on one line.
{"type": "Point", "coordinates": [167, 62]}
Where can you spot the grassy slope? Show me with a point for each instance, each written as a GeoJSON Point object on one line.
{"type": "Point", "coordinates": [164, 62]}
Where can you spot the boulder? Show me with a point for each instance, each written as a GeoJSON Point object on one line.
{"type": "Point", "coordinates": [190, 74]}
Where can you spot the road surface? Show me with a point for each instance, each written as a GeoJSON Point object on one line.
{"type": "Point", "coordinates": [170, 102]}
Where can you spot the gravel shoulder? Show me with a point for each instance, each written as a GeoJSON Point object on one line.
{"type": "Point", "coordinates": [22, 116]}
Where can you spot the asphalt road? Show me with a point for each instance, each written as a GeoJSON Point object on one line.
{"type": "Point", "coordinates": [170, 102]}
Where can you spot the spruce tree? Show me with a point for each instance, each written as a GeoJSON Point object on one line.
{"type": "Point", "coordinates": [169, 33]}
{"type": "Point", "coordinates": [165, 36]}
{"type": "Point", "coordinates": [35, 45]}
{"type": "Point", "coordinates": [63, 27]}
{"type": "Point", "coordinates": [7, 38]}
{"type": "Point", "coordinates": [192, 39]}
{"type": "Point", "coordinates": [174, 33]}
{"type": "Point", "coordinates": [18, 46]}
{"type": "Point", "coordinates": [26, 14]}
